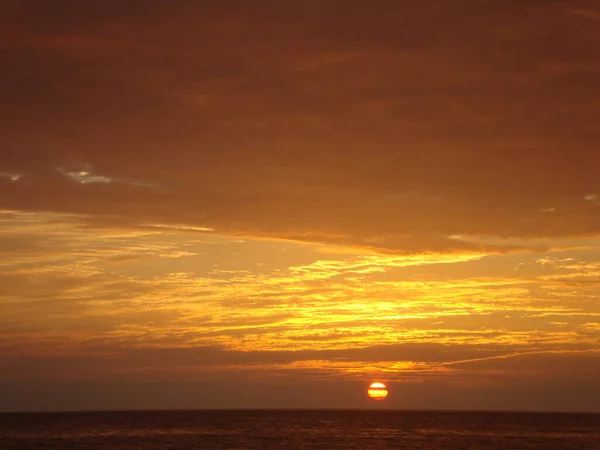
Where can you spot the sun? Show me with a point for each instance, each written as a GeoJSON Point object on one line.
{"type": "Point", "coordinates": [377, 391]}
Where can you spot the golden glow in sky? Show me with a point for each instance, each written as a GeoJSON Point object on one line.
{"type": "Point", "coordinates": [155, 304]}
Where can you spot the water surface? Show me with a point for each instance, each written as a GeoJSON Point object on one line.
{"type": "Point", "coordinates": [268, 429]}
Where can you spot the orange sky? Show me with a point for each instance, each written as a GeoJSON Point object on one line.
{"type": "Point", "coordinates": [272, 204]}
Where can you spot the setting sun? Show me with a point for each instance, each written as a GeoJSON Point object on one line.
{"type": "Point", "coordinates": [377, 391]}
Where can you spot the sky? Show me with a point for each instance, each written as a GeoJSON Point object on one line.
{"type": "Point", "coordinates": [273, 204]}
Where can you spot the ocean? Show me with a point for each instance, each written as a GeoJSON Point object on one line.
{"type": "Point", "coordinates": [319, 429]}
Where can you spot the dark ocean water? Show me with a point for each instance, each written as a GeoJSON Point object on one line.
{"type": "Point", "coordinates": [299, 430]}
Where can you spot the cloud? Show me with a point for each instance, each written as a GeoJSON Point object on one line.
{"type": "Point", "coordinates": [349, 124]}
{"type": "Point", "coordinates": [204, 189]}
{"type": "Point", "coordinates": [76, 288]}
